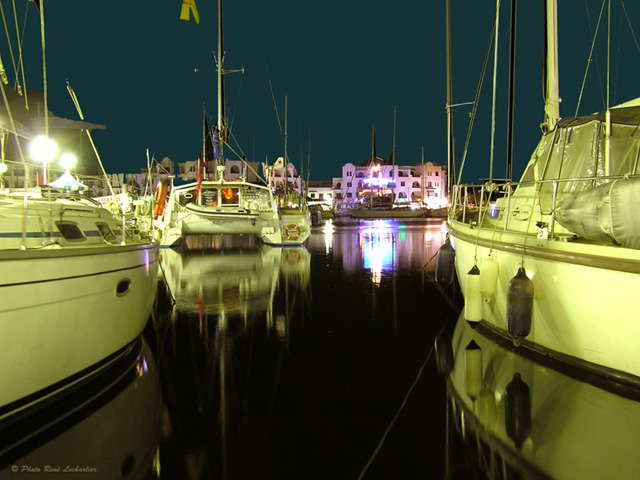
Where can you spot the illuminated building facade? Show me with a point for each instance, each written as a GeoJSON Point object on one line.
{"type": "Point", "coordinates": [380, 184]}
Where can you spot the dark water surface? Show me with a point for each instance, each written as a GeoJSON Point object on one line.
{"type": "Point", "coordinates": [319, 363]}
{"type": "Point", "coordinates": [311, 363]}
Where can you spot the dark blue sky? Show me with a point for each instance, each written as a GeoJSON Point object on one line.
{"type": "Point", "coordinates": [145, 74]}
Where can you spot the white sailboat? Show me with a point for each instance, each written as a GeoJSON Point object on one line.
{"type": "Point", "coordinates": [220, 206]}
{"type": "Point", "coordinates": [77, 288]}
{"type": "Point", "coordinates": [553, 260]}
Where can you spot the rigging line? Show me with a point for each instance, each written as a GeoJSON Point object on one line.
{"type": "Point", "coordinates": [395, 418]}
{"type": "Point", "coordinates": [275, 106]}
{"type": "Point", "coordinates": [13, 61]}
{"type": "Point", "coordinates": [590, 59]}
{"type": "Point", "coordinates": [615, 86]}
{"type": "Point", "coordinates": [630, 26]}
{"type": "Point", "coordinates": [235, 105]}
{"type": "Point", "coordinates": [475, 101]}
{"type": "Point", "coordinates": [20, 61]}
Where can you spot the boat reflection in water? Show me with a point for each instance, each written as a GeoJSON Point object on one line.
{"type": "Point", "coordinates": [517, 418]}
{"type": "Point", "coordinates": [106, 427]}
{"type": "Point", "coordinates": [223, 296]}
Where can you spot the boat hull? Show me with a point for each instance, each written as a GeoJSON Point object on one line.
{"type": "Point", "coordinates": [516, 412]}
{"type": "Point", "coordinates": [583, 308]}
{"type": "Point", "coordinates": [391, 213]}
{"type": "Point", "coordinates": [63, 310]}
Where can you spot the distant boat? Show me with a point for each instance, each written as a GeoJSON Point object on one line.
{"type": "Point", "coordinates": [218, 205]}
{"type": "Point", "coordinates": [553, 261]}
{"type": "Point", "coordinates": [387, 213]}
{"type": "Point", "coordinates": [77, 285]}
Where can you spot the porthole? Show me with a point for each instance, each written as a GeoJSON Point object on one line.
{"type": "Point", "coordinates": [123, 287]}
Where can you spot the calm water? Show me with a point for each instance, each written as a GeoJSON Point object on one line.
{"type": "Point", "coordinates": [319, 363]}
{"type": "Point", "coordinates": [304, 363]}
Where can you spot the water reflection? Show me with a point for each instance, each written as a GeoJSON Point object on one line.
{"type": "Point", "coordinates": [517, 418]}
{"type": "Point", "coordinates": [219, 301]}
{"type": "Point", "coordinates": [381, 247]}
{"type": "Point", "coordinates": [108, 427]}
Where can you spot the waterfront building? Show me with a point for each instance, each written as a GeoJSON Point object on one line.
{"type": "Point", "coordinates": [418, 186]}
{"type": "Point", "coordinates": [320, 192]}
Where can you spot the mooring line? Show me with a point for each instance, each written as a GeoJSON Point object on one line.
{"type": "Point", "coordinates": [396, 416]}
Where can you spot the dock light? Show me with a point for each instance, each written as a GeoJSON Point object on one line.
{"type": "Point", "coordinates": [68, 161]}
{"type": "Point", "coordinates": [43, 149]}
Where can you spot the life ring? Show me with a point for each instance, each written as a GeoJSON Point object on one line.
{"type": "Point", "coordinates": [160, 200]}
{"type": "Point", "coordinates": [156, 233]}
{"type": "Point", "coordinates": [292, 232]}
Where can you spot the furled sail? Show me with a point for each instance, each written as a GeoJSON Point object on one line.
{"type": "Point", "coordinates": [605, 212]}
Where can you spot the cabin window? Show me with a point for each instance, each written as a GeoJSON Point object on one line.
{"type": "Point", "coordinates": [229, 196]}
{"type": "Point", "coordinates": [107, 233]}
{"type": "Point", "coordinates": [71, 231]}
{"type": "Point", "coordinates": [210, 198]}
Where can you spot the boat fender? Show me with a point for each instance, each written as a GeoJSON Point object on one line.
{"type": "Point", "coordinates": [472, 297]}
{"type": "Point", "coordinates": [445, 264]}
{"type": "Point", "coordinates": [489, 277]}
{"type": "Point", "coordinates": [519, 306]}
{"type": "Point", "coordinates": [160, 200]}
{"type": "Point", "coordinates": [473, 370]}
{"type": "Point", "coordinates": [486, 407]}
{"type": "Point", "coordinates": [517, 410]}
{"type": "Point", "coordinates": [292, 232]}
{"type": "Point", "coordinates": [444, 354]}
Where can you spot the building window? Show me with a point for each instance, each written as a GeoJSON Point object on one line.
{"type": "Point", "coordinates": [349, 195]}
{"type": "Point", "coordinates": [338, 195]}
{"type": "Point", "coordinates": [321, 196]}
{"type": "Point", "coordinates": [338, 185]}
{"type": "Point", "coordinates": [348, 184]}
{"type": "Point", "coordinates": [437, 174]}
{"type": "Point", "coordinates": [416, 185]}
{"type": "Point", "coordinates": [402, 184]}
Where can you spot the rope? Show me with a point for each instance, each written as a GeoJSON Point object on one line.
{"type": "Point", "coordinates": [475, 101]}
{"type": "Point", "coordinates": [397, 415]}
{"type": "Point", "coordinates": [590, 59]}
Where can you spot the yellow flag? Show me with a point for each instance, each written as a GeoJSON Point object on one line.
{"type": "Point", "coordinates": [189, 6]}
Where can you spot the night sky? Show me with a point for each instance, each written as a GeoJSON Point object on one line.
{"type": "Point", "coordinates": [147, 75]}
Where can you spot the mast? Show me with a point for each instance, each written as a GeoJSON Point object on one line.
{"type": "Point", "coordinates": [512, 69]}
{"type": "Point", "coordinates": [286, 157]}
{"type": "Point", "coordinates": [222, 129]}
{"type": "Point", "coordinates": [451, 167]}
{"type": "Point", "coordinates": [551, 88]}
{"type": "Point", "coordinates": [495, 86]}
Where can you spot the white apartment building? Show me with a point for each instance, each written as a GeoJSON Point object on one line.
{"type": "Point", "coordinates": [417, 186]}
{"type": "Point", "coordinates": [320, 192]}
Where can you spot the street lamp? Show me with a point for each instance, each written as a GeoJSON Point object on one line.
{"type": "Point", "coordinates": [43, 149]}
{"type": "Point", "coordinates": [68, 161]}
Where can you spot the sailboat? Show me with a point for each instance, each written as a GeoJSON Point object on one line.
{"type": "Point", "coordinates": [77, 286]}
{"type": "Point", "coordinates": [552, 262]}
{"type": "Point", "coordinates": [221, 205]}
{"type": "Point", "coordinates": [377, 191]}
